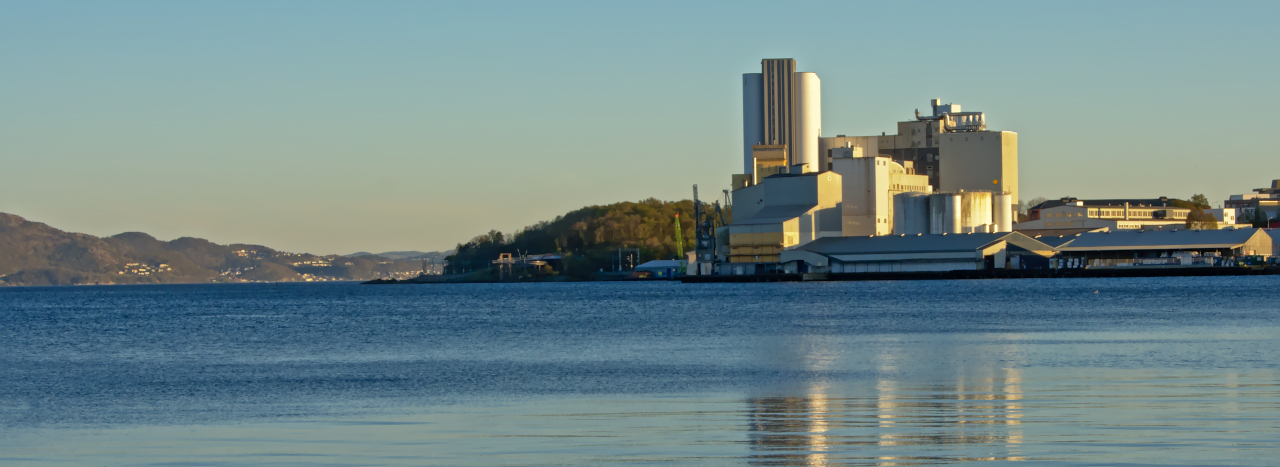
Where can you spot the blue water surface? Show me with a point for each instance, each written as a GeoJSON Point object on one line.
{"type": "Point", "coordinates": [1145, 371]}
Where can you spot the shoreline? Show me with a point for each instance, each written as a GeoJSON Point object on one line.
{"type": "Point", "coordinates": [897, 276]}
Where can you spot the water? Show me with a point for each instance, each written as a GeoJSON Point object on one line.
{"type": "Point", "coordinates": [1152, 371]}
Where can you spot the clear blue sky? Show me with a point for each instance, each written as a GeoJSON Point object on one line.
{"type": "Point", "coordinates": [332, 127]}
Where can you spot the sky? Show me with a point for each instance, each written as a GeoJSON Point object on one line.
{"type": "Point", "coordinates": [335, 127]}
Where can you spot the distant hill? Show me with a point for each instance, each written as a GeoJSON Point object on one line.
{"type": "Point", "coordinates": [33, 253]}
{"type": "Point", "coordinates": [418, 255]}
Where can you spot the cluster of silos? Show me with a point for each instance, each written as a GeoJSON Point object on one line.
{"type": "Point", "coordinates": [952, 213]}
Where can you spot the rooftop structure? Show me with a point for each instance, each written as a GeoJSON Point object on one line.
{"type": "Point", "coordinates": [904, 253]}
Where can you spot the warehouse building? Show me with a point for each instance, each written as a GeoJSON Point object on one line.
{"type": "Point", "coordinates": [912, 253]}
{"type": "Point", "coordinates": [1108, 214]}
{"type": "Point", "coordinates": [1163, 248]}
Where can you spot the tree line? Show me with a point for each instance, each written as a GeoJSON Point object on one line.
{"type": "Point", "coordinates": [588, 237]}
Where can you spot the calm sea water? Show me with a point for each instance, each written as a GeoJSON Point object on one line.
{"type": "Point", "coordinates": [1054, 372]}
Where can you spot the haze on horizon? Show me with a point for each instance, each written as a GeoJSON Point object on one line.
{"type": "Point", "coordinates": [332, 127]}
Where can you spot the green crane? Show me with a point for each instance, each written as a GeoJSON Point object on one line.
{"type": "Point", "coordinates": [679, 240]}
{"type": "Point", "coordinates": [679, 244]}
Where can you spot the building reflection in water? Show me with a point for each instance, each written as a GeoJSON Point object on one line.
{"type": "Point", "coordinates": [975, 415]}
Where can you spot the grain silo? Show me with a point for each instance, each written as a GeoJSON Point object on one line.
{"type": "Point", "coordinates": [975, 211]}
{"type": "Point", "coordinates": [1002, 212]}
{"type": "Point", "coordinates": [944, 213]}
{"type": "Point", "coordinates": [911, 213]}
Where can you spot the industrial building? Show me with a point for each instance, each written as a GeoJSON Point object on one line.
{"type": "Point", "coordinates": [783, 211]}
{"type": "Point", "coordinates": [1163, 248]}
{"type": "Point", "coordinates": [979, 160]}
{"type": "Point", "coordinates": [912, 253]}
{"type": "Point", "coordinates": [870, 187]}
{"type": "Point", "coordinates": [1266, 200]}
{"type": "Point", "coordinates": [798, 187]}
{"type": "Point", "coordinates": [1109, 214]}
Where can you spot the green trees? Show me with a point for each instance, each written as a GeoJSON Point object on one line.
{"type": "Point", "coordinates": [589, 235]}
{"type": "Point", "coordinates": [1259, 218]}
{"type": "Point", "coordinates": [1197, 218]}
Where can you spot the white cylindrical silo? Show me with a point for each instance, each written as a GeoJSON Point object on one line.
{"type": "Point", "coordinates": [944, 213]}
{"type": "Point", "coordinates": [953, 220]}
{"type": "Point", "coordinates": [808, 120]}
{"type": "Point", "coordinates": [911, 213]}
{"type": "Point", "coordinates": [1002, 212]}
{"type": "Point", "coordinates": [975, 211]}
{"type": "Point", "coordinates": [937, 213]}
{"type": "Point", "coordinates": [752, 117]}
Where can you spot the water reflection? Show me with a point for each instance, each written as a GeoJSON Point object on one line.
{"type": "Point", "coordinates": [965, 414]}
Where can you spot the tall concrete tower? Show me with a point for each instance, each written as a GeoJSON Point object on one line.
{"type": "Point", "coordinates": [780, 106]}
{"type": "Point", "coordinates": [752, 117]}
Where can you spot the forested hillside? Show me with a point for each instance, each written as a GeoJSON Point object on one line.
{"type": "Point", "coordinates": [32, 253]}
{"type": "Point", "coordinates": [589, 235]}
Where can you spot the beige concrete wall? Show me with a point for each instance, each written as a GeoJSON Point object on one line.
{"type": "Point", "coordinates": [902, 182]}
{"type": "Point", "coordinates": [918, 134]}
{"type": "Point", "coordinates": [862, 146]}
{"type": "Point", "coordinates": [979, 161]}
{"type": "Point", "coordinates": [866, 204]}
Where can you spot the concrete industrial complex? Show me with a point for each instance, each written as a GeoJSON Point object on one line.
{"type": "Point", "coordinates": [940, 195]}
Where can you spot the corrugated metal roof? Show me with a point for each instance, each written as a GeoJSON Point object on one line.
{"type": "Point", "coordinates": [1056, 241]}
{"type": "Point", "coordinates": [1046, 233]}
{"type": "Point", "coordinates": [775, 214]}
{"type": "Point", "coordinates": [1162, 240]}
{"type": "Point", "coordinates": [661, 264]}
{"type": "Point", "coordinates": [900, 244]}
